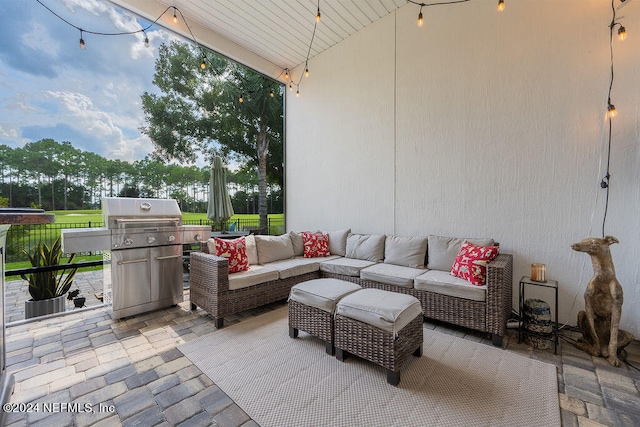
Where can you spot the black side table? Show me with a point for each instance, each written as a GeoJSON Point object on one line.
{"type": "Point", "coordinates": [526, 280]}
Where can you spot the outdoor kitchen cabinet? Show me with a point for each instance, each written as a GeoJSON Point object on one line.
{"type": "Point", "coordinates": [147, 278]}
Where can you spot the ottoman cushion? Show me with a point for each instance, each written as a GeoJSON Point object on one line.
{"type": "Point", "coordinates": [389, 311]}
{"type": "Point", "coordinates": [322, 293]}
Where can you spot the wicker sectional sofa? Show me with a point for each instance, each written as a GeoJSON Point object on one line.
{"type": "Point", "coordinates": [418, 266]}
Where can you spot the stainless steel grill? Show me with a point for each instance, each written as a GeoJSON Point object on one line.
{"type": "Point", "coordinates": [143, 238]}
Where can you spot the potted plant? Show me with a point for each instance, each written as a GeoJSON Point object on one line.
{"type": "Point", "coordinates": [48, 288]}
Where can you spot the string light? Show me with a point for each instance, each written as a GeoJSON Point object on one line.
{"type": "Point", "coordinates": [290, 86]}
{"type": "Point", "coordinates": [241, 99]}
{"type": "Point", "coordinates": [306, 72]}
{"type": "Point", "coordinates": [622, 33]}
{"type": "Point", "coordinates": [611, 111]}
{"type": "Point", "coordinates": [420, 16]}
{"type": "Point", "coordinates": [122, 33]}
{"type": "Point", "coordinates": [271, 94]}
{"type": "Point", "coordinates": [318, 16]}
{"type": "Point", "coordinates": [203, 65]}
{"type": "Point", "coordinates": [298, 93]}
{"type": "Point", "coordinates": [500, 5]}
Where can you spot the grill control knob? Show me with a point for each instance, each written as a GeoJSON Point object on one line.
{"type": "Point", "coordinates": [128, 241]}
{"type": "Point", "coordinates": [151, 239]}
{"type": "Point", "coordinates": [197, 237]}
{"type": "Point", "coordinates": [171, 238]}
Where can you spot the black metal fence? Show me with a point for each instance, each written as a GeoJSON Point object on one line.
{"type": "Point", "coordinates": [22, 238]}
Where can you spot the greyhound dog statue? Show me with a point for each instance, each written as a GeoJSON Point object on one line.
{"type": "Point", "coordinates": [600, 320]}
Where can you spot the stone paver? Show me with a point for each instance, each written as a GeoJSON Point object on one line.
{"type": "Point", "coordinates": [129, 371]}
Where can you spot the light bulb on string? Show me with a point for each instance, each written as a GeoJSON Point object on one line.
{"type": "Point", "coordinates": [318, 16]}
{"type": "Point", "coordinates": [175, 17]}
{"type": "Point", "coordinates": [420, 17]}
{"type": "Point", "coordinates": [500, 5]}
{"type": "Point", "coordinates": [298, 93]}
{"type": "Point", "coordinates": [81, 41]}
{"type": "Point", "coordinates": [241, 99]}
{"type": "Point", "coordinates": [290, 86]}
{"type": "Point", "coordinates": [306, 72]}
{"type": "Point", "coordinates": [271, 94]}
{"type": "Point", "coordinates": [203, 65]}
{"type": "Point", "coordinates": [286, 74]}
{"type": "Point", "coordinates": [622, 33]}
{"type": "Point", "coordinates": [146, 40]}
{"type": "Point", "coordinates": [611, 111]}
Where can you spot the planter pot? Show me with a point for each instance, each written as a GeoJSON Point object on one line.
{"type": "Point", "coordinates": [78, 302]}
{"type": "Point", "coordinates": [44, 307]}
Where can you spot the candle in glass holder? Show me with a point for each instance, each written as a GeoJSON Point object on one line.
{"type": "Point", "coordinates": [539, 272]}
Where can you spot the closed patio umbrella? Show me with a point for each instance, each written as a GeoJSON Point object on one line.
{"type": "Point", "coordinates": [219, 208]}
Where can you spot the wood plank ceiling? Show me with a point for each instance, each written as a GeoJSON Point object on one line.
{"type": "Point", "coordinates": [280, 30]}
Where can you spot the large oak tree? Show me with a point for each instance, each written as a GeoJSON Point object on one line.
{"type": "Point", "coordinates": [224, 109]}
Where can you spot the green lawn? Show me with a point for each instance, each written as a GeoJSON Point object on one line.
{"type": "Point", "coordinates": [85, 216]}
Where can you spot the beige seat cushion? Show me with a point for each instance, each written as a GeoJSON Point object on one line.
{"type": "Point", "coordinates": [296, 266]}
{"type": "Point", "coordinates": [442, 282]}
{"type": "Point", "coordinates": [256, 274]}
{"type": "Point", "coordinates": [322, 293]}
{"type": "Point", "coordinates": [391, 274]}
{"type": "Point", "coordinates": [345, 266]}
{"type": "Point", "coordinates": [389, 311]}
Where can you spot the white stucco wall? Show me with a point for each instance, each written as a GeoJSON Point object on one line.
{"type": "Point", "coordinates": [478, 124]}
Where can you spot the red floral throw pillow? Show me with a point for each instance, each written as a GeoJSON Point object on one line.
{"type": "Point", "coordinates": [235, 251]}
{"type": "Point", "coordinates": [471, 262]}
{"type": "Point", "coordinates": [315, 244]}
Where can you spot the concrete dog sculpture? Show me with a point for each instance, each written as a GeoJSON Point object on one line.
{"type": "Point", "coordinates": [600, 320]}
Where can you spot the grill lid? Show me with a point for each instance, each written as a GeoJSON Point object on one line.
{"type": "Point", "coordinates": [127, 212]}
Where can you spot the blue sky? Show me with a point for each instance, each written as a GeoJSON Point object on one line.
{"type": "Point", "coordinates": [50, 88]}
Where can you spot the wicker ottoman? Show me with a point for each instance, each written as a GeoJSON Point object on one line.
{"type": "Point", "coordinates": [312, 305]}
{"type": "Point", "coordinates": [382, 327]}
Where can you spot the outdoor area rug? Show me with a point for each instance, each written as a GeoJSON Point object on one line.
{"type": "Point", "coordinates": [280, 381]}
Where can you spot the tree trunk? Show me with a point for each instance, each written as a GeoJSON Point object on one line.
{"type": "Point", "coordinates": [53, 197]}
{"type": "Point", "coordinates": [263, 148]}
{"type": "Point", "coordinates": [65, 192]}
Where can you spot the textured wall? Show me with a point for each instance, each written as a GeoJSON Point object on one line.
{"type": "Point", "coordinates": [478, 124]}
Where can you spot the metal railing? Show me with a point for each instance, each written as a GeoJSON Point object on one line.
{"type": "Point", "coordinates": [22, 238]}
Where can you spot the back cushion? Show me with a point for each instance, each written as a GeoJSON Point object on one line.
{"type": "Point", "coordinates": [252, 250]}
{"type": "Point", "coordinates": [274, 248]}
{"type": "Point", "coordinates": [298, 244]}
{"type": "Point", "coordinates": [444, 250]}
{"type": "Point", "coordinates": [338, 241]}
{"type": "Point", "coordinates": [405, 251]}
{"type": "Point", "coordinates": [368, 247]}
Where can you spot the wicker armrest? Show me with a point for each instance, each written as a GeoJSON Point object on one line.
{"type": "Point", "coordinates": [209, 283]}
{"type": "Point", "coordinates": [499, 293]}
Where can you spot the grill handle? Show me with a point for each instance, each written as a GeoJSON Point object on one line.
{"type": "Point", "coordinates": [175, 221]}
{"type": "Point", "coordinates": [133, 261]}
{"type": "Point", "coordinates": [160, 258]}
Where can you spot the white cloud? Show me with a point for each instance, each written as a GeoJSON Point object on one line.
{"type": "Point", "coordinates": [8, 133]}
{"type": "Point", "coordinates": [39, 40]}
